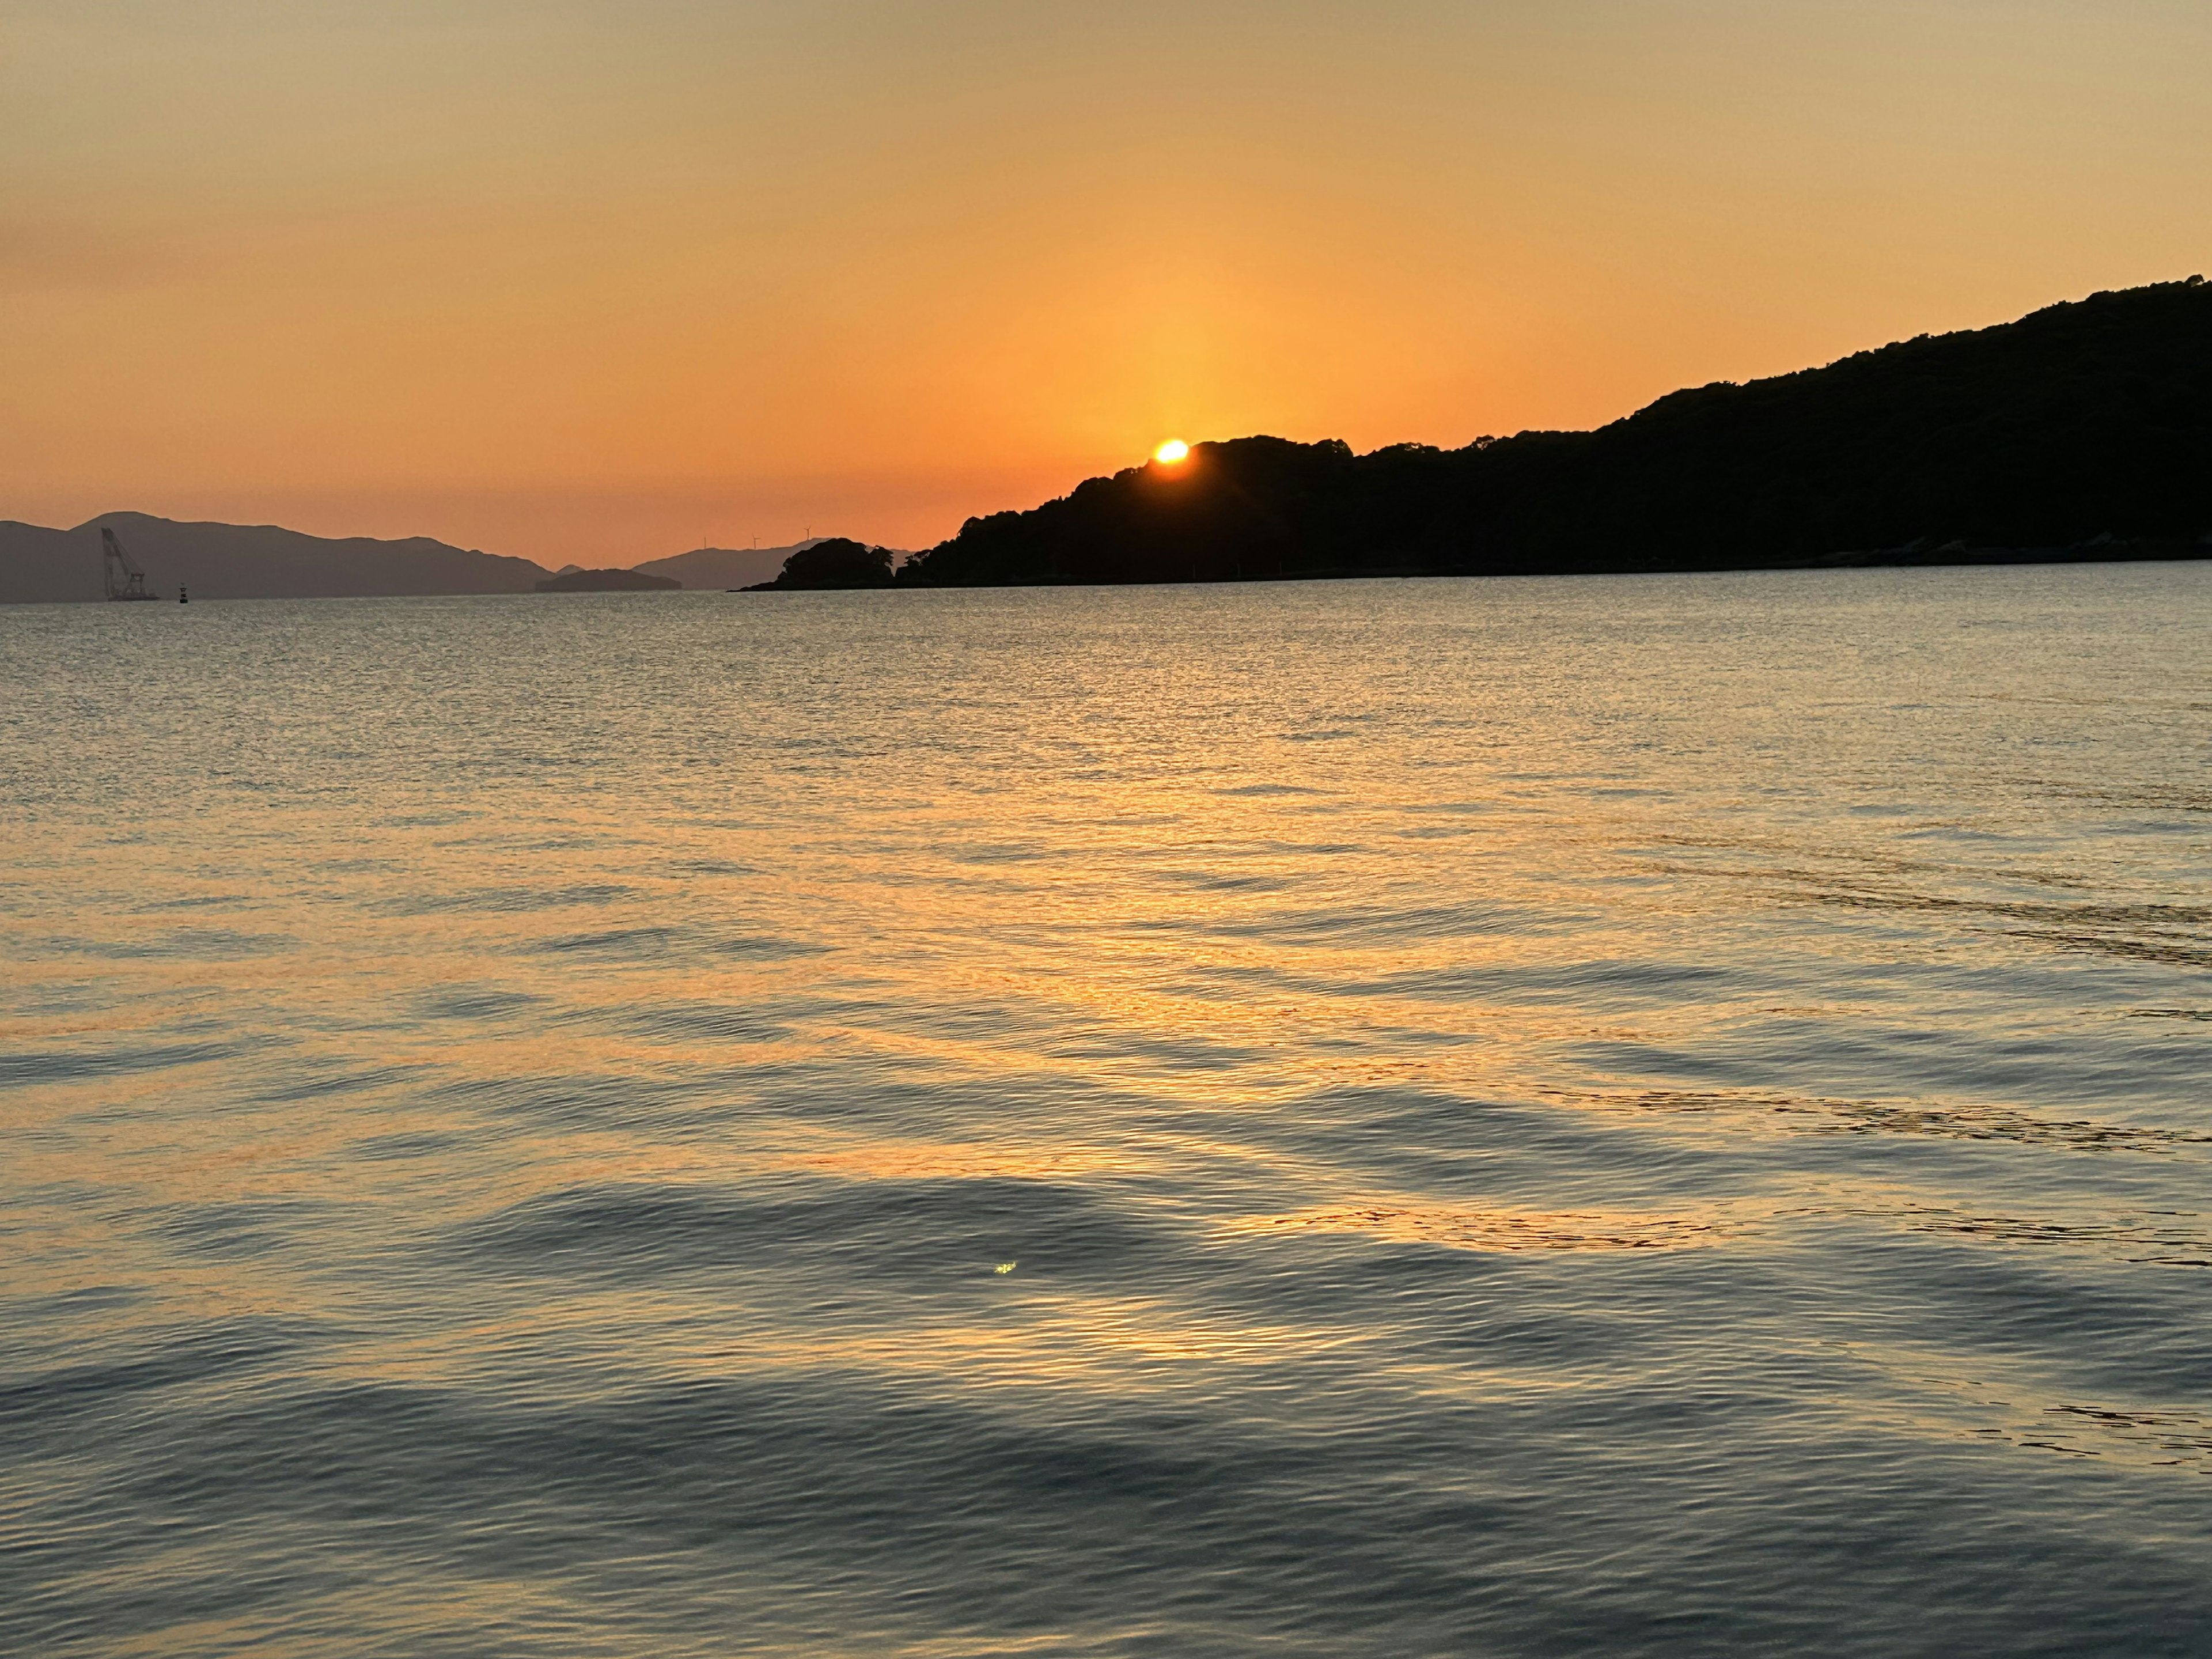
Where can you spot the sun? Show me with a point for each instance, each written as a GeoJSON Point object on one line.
{"type": "Point", "coordinates": [1173, 451]}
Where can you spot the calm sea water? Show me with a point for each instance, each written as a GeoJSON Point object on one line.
{"type": "Point", "coordinates": [1630, 1116]}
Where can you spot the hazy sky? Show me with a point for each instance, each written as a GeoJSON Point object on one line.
{"type": "Point", "coordinates": [585, 280]}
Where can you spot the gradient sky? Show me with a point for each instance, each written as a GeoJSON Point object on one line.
{"type": "Point", "coordinates": [584, 280]}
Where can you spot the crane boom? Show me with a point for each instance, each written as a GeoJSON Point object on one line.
{"type": "Point", "coordinates": [120, 573]}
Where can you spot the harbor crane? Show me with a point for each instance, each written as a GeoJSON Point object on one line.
{"type": "Point", "coordinates": [119, 571]}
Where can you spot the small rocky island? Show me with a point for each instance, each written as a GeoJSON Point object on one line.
{"type": "Point", "coordinates": [605, 581]}
{"type": "Point", "coordinates": [836, 562]}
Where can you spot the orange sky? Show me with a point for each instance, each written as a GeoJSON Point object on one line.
{"type": "Point", "coordinates": [583, 280]}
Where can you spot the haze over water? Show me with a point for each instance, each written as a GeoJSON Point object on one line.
{"type": "Point", "coordinates": [1631, 1116]}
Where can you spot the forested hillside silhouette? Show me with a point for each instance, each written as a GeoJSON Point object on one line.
{"type": "Point", "coordinates": [2082, 431]}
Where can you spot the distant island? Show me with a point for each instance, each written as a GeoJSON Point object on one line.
{"type": "Point", "coordinates": [2081, 432]}
{"type": "Point", "coordinates": [833, 561]}
{"type": "Point", "coordinates": [725, 567]}
{"type": "Point", "coordinates": [606, 581]}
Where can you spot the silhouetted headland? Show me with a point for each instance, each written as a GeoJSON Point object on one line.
{"type": "Point", "coordinates": [606, 581]}
{"type": "Point", "coordinates": [838, 561]}
{"type": "Point", "coordinates": [2083, 431]}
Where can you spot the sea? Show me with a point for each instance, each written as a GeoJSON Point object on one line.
{"type": "Point", "coordinates": [1626, 1115]}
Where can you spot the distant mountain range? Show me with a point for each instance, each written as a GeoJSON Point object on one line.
{"type": "Point", "coordinates": [2083, 431]}
{"type": "Point", "coordinates": [262, 561]}
{"type": "Point", "coordinates": [245, 562]}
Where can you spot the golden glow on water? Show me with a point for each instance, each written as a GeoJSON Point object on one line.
{"type": "Point", "coordinates": [1469, 1229]}
{"type": "Point", "coordinates": [1417, 1023]}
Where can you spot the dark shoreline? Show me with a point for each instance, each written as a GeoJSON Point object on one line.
{"type": "Point", "coordinates": [1945, 558]}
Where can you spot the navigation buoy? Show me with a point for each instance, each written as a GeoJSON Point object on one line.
{"type": "Point", "coordinates": [182, 597]}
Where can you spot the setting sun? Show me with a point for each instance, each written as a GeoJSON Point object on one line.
{"type": "Point", "coordinates": [1171, 451]}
